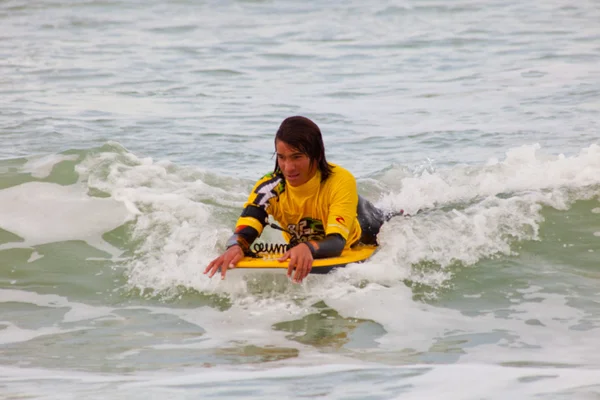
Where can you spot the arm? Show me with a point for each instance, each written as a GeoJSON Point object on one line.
{"type": "Point", "coordinates": [341, 217]}
{"type": "Point", "coordinates": [249, 226]}
{"type": "Point", "coordinates": [342, 214]}
{"type": "Point", "coordinates": [302, 255]}
{"type": "Point", "coordinates": [331, 246]}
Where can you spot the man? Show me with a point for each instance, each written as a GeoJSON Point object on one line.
{"type": "Point", "coordinates": [315, 202]}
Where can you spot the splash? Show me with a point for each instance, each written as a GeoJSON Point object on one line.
{"type": "Point", "coordinates": [177, 228]}
{"type": "Point", "coordinates": [42, 213]}
{"type": "Point", "coordinates": [477, 212]}
{"type": "Point", "coordinates": [472, 213]}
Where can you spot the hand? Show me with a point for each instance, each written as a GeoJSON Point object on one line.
{"type": "Point", "coordinates": [301, 259]}
{"type": "Point", "coordinates": [225, 261]}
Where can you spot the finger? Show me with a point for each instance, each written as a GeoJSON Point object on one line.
{"type": "Point", "coordinates": [298, 274]}
{"type": "Point", "coordinates": [236, 259]}
{"type": "Point", "coordinates": [231, 261]}
{"type": "Point", "coordinates": [300, 265]}
{"type": "Point", "coordinates": [223, 269]}
{"type": "Point", "coordinates": [215, 268]}
{"type": "Point", "coordinates": [208, 268]}
{"type": "Point", "coordinates": [307, 268]}
{"type": "Point", "coordinates": [227, 263]}
{"type": "Point", "coordinates": [285, 256]}
{"type": "Point", "coordinates": [291, 265]}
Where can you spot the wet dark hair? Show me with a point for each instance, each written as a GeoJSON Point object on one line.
{"type": "Point", "coordinates": [305, 136]}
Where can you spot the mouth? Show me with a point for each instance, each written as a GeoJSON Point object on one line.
{"type": "Point", "coordinates": [291, 177]}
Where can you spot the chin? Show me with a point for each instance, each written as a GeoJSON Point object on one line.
{"type": "Point", "coordinates": [294, 182]}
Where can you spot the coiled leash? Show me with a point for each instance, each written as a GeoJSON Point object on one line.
{"type": "Point", "coordinates": [273, 248]}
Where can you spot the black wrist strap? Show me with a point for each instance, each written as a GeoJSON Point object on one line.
{"type": "Point", "coordinates": [311, 248]}
{"type": "Point", "coordinates": [237, 240]}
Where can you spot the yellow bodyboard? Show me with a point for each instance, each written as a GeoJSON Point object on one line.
{"type": "Point", "coordinates": [269, 261]}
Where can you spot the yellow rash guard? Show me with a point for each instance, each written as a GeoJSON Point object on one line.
{"type": "Point", "coordinates": [310, 211]}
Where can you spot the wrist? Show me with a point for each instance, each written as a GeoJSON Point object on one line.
{"type": "Point", "coordinates": [236, 240]}
{"type": "Point", "coordinates": [311, 248]}
{"type": "Point", "coordinates": [235, 247]}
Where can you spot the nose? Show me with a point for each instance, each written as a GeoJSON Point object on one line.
{"type": "Point", "coordinates": [286, 166]}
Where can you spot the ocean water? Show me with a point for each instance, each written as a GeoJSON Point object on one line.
{"type": "Point", "coordinates": [132, 132]}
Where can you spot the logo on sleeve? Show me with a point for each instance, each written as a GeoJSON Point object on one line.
{"type": "Point", "coordinates": [340, 220]}
{"type": "Point", "coordinates": [306, 229]}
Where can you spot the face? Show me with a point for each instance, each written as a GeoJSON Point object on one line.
{"type": "Point", "coordinates": [295, 165]}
